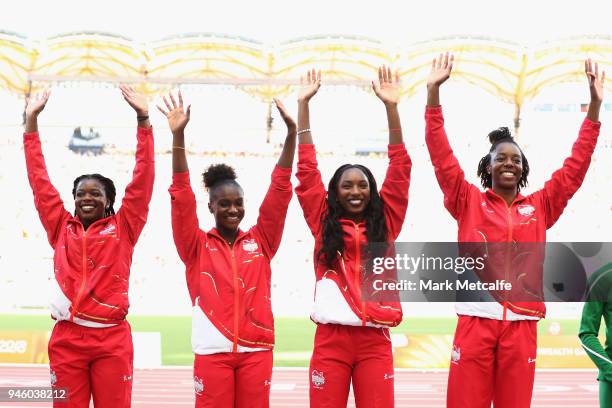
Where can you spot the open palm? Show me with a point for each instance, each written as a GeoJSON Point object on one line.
{"type": "Point", "coordinates": [177, 116]}
{"type": "Point", "coordinates": [310, 85]}
{"type": "Point", "coordinates": [440, 70]}
{"type": "Point", "coordinates": [35, 104]}
{"type": "Point", "coordinates": [596, 80]}
{"type": "Point", "coordinates": [388, 87]}
{"type": "Point", "coordinates": [135, 99]}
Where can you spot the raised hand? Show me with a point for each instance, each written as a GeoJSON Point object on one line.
{"type": "Point", "coordinates": [596, 81]}
{"type": "Point", "coordinates": [388, 87]}
{"type": "Point", "coordinates": [289, 122]}
{"type": "Point", "coordinates": [310, 85]}
{"type": "Point", "coordinates": [137, 100]}
{"type": "Point", "coordinates": [440, 70]}
{"type": "Point", "coordinates": [176, 115]}
{"type": "Point", "coordinates": [35, 104]}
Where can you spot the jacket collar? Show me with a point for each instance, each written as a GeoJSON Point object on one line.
{"type": "Point", "coordinates": [215, 233]}
{"type": "Point", "coordinates": [492, 195]}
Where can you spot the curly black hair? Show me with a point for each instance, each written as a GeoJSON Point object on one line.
{"type": "Point", "coordinates": [376, 227]}
{"type": "Point", "coordinates": [218, 175]}
{"type": "Point", "coordinates": [107, 184]}
{"type": "Point", "coordinates": [497, 136]}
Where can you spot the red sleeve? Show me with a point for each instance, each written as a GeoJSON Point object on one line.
{"type": "Point", "coordinates": [273, 210]}
{"type": "Point", "coordinates": [47, 200]}
{"type": "Point", "coordinates": [394, 191]}
{"type": "Point", "coordinates": [567, 180]}
{"type": "Point", "coordinates": [448, 171]}
{"type": "Point", "coordinates": [185, 225]}
{"type": "Point", "coordinates": [310, 190]}
{"type": "Point", "coordinates": [135, 205]}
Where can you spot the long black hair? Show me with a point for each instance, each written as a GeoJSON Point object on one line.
{"type": "Point", "coordinates": [496, 137]}
{"type": "Point", "coordinates": [107, 184]}
{"type": "Point", "coordinates": [218, 175]}
{"type": "Point", "coordinates": [373, 214]}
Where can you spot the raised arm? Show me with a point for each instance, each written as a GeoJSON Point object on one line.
{"type": "Point", "coordinates": [273, 209]}
{"type": "Point", "coordinates": [310, 190]}
{"type": "Point", "coordinates": [567, 180]}
{"type": "Point", "coordinates": [185, 225]}
{"type": "Point", "coordinates": [47, 200]}
{"type": "Point", "coordinates": [449, 174]}
{"type": "Point", "coordinates": [135, 205]}
{"type": "Point", "coordinates": [394, 191]}
{"type": "Point", "coordinates": [388, 91]}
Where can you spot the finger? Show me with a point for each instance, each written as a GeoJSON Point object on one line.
{"type": "Point", "coordinates": [375, 87]}
{"type": "Point", "coordinates": [319, 77]}
{"type": "Point", "coordinates": [167, 104]}
{"type": "Point", "coordinates": [308, 77]}
{"type": "Point", "coordinates": [596, 70]}
{"type": "Point", "coordinates": [162, 111]}
{"type": "Point", "coordinates": [389, 75]}
{"type": "Point", "coordinates": [380, 75]}
{"type": "Point", "coordinates": [180, 96]}
{"type": "Point", "coordinates": [172, 99]}
{"type": "Point", "coordinates": [301, 80]}
{"type": "Point", "coordinates": [603, 77]}
{"type": "Point", "coordinates": [188, 111]}
{"type": "Point", "coordinates": [450, 62]}
{"type": "Point", "coordinates": [586, 66]}
{"type": "Point", "coordinates": [433, 64]}
{"type": "Point", "coordinates": [397, 76]}
{"type": "Point", "coordinates": [439, 64]}
{"type": "Point", "coordinates": [446, 60]}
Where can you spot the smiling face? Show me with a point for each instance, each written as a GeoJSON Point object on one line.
{"type": "Point", "coordinates": [353, 192]}
{"type": "Point", "coordinates": [227, 205]}
{"type": "Point", "coordinates": [90, 201]}
{"type": "Point", "coordinates": [506, 166]}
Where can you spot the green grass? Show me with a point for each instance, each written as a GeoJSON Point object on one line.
{"type": "Point", "coordinates": [294, 336]}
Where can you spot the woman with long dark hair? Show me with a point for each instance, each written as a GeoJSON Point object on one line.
{"type": "Point", "coordinates": [228, 271]}
{"type": "Point", "coordinates": [350, 221]}
{"type": "Point", "coordinates": [494, 349]}
{"type": "Point", "coordinates": [90, 349]}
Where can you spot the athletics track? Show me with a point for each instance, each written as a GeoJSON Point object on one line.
{"type": "Point", "coordinates": [173, 387]}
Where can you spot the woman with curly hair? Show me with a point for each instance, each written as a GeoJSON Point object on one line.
{"type": "Point", "coordinates": [228, 271]}
{"type": "Point", "coordinates": [90, 349]}
{"type": "Point", "coordinates": [351, 221]}
{"type": "Point", "coordinates": [494, 349]}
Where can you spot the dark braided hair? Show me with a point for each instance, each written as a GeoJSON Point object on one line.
{"type": "Point", "coordinates": [376, 227]}
{"type": "Point", "coordinates": [496, 137]}
{"type": "Point", "coordinates": [218, 175]}
{"type": "Point", "coordinates": [107, 184]}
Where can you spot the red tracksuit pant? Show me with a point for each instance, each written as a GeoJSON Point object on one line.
{"type": "Point", "coordinates": [233, 380]}
{"type": "Point", "coordinates": [342, 353]}
{"type": "Point", "coordinates": [92, 361]}
{"type": "Point", "coordinates": [492, 360]}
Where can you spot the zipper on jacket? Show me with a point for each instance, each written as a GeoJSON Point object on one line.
{"type": "Point", "coordinates": [83, 278]}
{"type": "Point", "coordinates": [236, 300]}
{"type": "Point", "coordinates": [509, 209]}
{"type": "Point", "coordinates": [358, 273]}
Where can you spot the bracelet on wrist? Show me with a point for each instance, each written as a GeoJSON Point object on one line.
{"type": "Point", "coordinates": [299, 132]}
{"type": "Point", "coordinates": [141, 118]}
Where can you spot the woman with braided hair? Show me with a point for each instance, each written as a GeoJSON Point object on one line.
{"type": "Point", "coordinates": [494, 349]}
{"type": "Point", "coordinates": [90, 349]}
{"type": "Point", "coordinates": [228, 271]}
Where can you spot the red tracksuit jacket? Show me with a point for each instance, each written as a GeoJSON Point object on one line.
{"type": "Point", "coordinates": [231, 286]}
{"type": "Point", "coordinates": [485, 217]}
{"type": "Point", "coordinates": [338, 290]}
{"type": "Point", "coordinates": [92, 267]}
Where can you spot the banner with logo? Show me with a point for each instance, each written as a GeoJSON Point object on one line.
{"type": "Point", "coordinates": [436, 351]}
{"type": "Point", "coordinates": [24, 346]}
